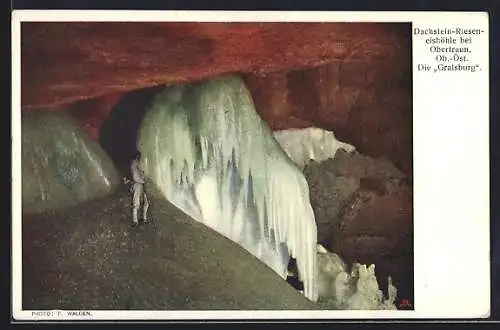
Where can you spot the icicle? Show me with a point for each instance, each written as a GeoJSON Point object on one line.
{"type": "Point", "coordinates": [203, 136]}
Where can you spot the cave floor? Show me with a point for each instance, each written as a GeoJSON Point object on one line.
{"type": "Point", "coordinates": [90, 257]}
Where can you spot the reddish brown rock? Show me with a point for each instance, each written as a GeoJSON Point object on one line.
{"type": "Point", "coordinates": [352, 78]}
{"type": "Point", "coordinates": [271, 96]}
{"type": "Point", "coordinates": [64, 62]}
{"type": "Point", "coordinates": [377, 228]}
{"type": "Point", "coordinates": [92, 113]}
{"type": "Point", "coordinates": [365, 103]}
{"type": "Point", "coordinates": [364, 211]}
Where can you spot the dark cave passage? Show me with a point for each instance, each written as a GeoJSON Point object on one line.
{"type": "Point", "coordinates": [118, 133]}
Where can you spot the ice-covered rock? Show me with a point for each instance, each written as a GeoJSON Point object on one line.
{"type": "Point", "coordinates": [312, 143]}
{"type": "Point", "coordinates": [61, 165]}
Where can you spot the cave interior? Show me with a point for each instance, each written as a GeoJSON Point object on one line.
{"type": "Point", "coordinates": [354, 79]}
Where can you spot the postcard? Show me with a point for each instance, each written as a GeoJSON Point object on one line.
{"type": "Point", "coordinates": [218, 165]}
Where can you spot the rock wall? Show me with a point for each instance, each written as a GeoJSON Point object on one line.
{"type": "Point", "coordinates": [63, 62]}
{"type": "Point", "coordinates": [364, 212]}
{"type": "Point", "coordinates": [92, 113]}
{"type": "Point", "coordinates": [366, 103]}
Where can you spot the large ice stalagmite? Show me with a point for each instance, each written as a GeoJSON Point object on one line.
{"type": "Point", "coordinates": [211, 155]}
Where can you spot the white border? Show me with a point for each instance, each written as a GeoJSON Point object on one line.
{"type": "Point", "coordinates": [452, 278]}
{"type": "Point", "coordinates": [234, 16]}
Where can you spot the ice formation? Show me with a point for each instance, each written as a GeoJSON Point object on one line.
{"type": "Point", "coordinates": [312, 143]}
{"type": "Point", "coordinates": [339, 289]}
{"type": "Point", "coordinates": [61, 165]}
{"type": "Point", "coordinates": [212, 156]}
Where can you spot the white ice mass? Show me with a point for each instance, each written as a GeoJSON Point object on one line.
{"type": "Point", "coordinates": [312, 143]}
{"type": "Point", "coordinates": [355, 290]}
{"type": "Point", "coordinates": [212, 156]}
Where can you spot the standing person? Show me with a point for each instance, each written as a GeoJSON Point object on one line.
{"type": "Point", "coordinates": [138, 191]}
